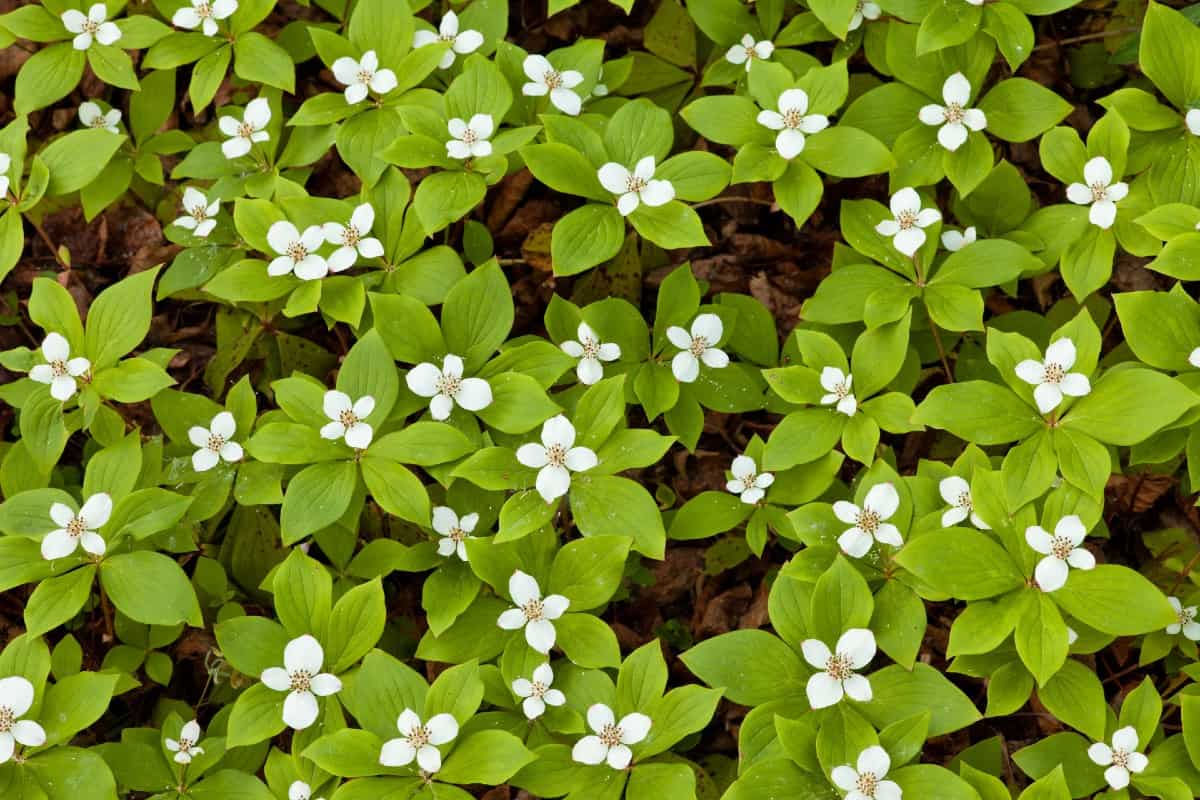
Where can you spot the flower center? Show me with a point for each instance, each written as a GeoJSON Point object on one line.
{"type": "Point", "coordinates": [634, 184]}
{"type": "Point", "coordinates": [456, 534]}
{"type": "Point", "coordinates": [59, 368]}
{"type": "Point", "coordinates": [351, 236]}
{"type": "Point", "coordinates": [7, 719]}
{"type": "Point", "coordinates": [90, 26]}
{"type": "Point", "coordinates": [838, 666]}
{"type": "Point", "coordinates": [301, 681]}
{"type": "Point", "coordinates": [203, 11]}
{"type": "Point", "coordinates": [185, 745]}
{"type": "Point", "coordinates": [1121, 758]}
{"type": "Point", "coordinates": [469, 136]}
{"type": "Point", "coordinates": [418, 737]}
{"type": "Point", "coordinates": [365, 76]}
{"type": "Point", "coordinates": [1099, 192]}
{"type": "Point", "coordinates": [552, 79]}
{"type": "Point", "coordinates": [964, 501]}
{"type": "Point", "coordinates": [748, 481]}
{"type": "Point", "coordinates": [347, 418]}
{"type": "Point", "coordinates": [98, 122]}
{"type": "Point", "coordinates": [297, 251]}
{"type": "Point", "coordinates": [245, 130]}
{"type": "Point", "coordinates": [447, 37]}
{"type": "Point", "coordinates": [591, 348]}
{"type": "Point", "coordinates": [868, 520]}
{"type": "Point", "coordinates": [751, 52]}
{"type": "Point", "coordinates": [1187, 616]}
{"type": "Point", "coordinates": [539, 689]}
{"type": "Point", "coordinates": [858, 7]}
{"type": "Point", "coordinates": [954, 112]}
{"type": "Point", "coordinates": [792, 118]}
{"type": "Point", "coordinates": [215, 442]}
{"type": "Point", "coordinates": [1061, 547]}
{"type": "Point", "coordinates": [842, 391]}
{"type": "Point", "coordinates": [610, 735]}
{"type": "Point", "coordinates": [199, 213]}
{"type": "Point", "coordinates": [699, 345]}
{"type": "Point", "coordinates": [906, 219]}
{"type": "Point", "coordinates": [76, 527]}
{"type": "Point", "coordinates": [449, 384]}
{"type": "Point", "coordinates": [556, 455]}
{"type": "Point", "coordinates": [1053, 373]}
{"type": "Point", "coordinates": [533, 611]}
{"type": "Point", "coordinates": [866, 783]}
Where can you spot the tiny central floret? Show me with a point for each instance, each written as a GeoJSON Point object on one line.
{"type": "Point", "coordinates": [418, 737]}
{"type": "Point", "coordinates": [906, 219]}
{"type": "Point", "coordinates": [610, 735]}
{"type": "Point", "coordinates": [634, 184]}
{"type": "Point", "coordinates": [699, 345]}
{"type": "Point", "coordinates": [751, 52]}
{"type": "Point", "coordinates": [301, 681]}
{"type": "Point", "coordinates": [1099, 192]}
{"type": "Point", "coordinates": [215, 442]}
{"type": "Point", "coordinates": [954, 112]}
{"type": "Point", "coordinates": [552, 79]}
{"type": "Point", "coordinates": [457, 534]}
{"type": "Point", "coordinates": [1061, 547]}
{"type": "Point", "coordinates": [365, 76]}
{"type": "Point", "coordinates": [7, 719]}
{"type": "Point", "coordinates": [98, 121]}
{"type": "Point", "coordinates": [76, 527]}
{"type": "Point", "coordinates": [198, 213]}
{"type": "Point", "coordinates": [297, 251]}
{"type": "Point", "coordinates": [748, 481]}
{"type": "Point", "coordinates": [185, 745]}
{"type": "Point", "coordinates": [534, 610]}
{"type": "Point", "coordinates": [1053, 373]}
{"type": "Point", "coordinates": [1187, 616]}
{"type": "Point", "coordinates": [792, 118]}
{"type": "Point", "coordinates": [839, 667]}
{"type": "Point", "coordinates": [347, 418]}
{"type": "Point", "coordinates": [245, 130]}
{"type": "Point", "coordinates": [841, 391]}
{"type": "Point", "coordinates": [868, 521]}
{"type": "Point", "coordinates": [538, 689]}
{"type": "Point", "coordinates": [469, 136]}
{"type": "Point", "coordinates": [866, 783]}
{"type": "Point", "coordinates": [591, 348]}
{"type": "Point", "coordinates": [1121, 758]}
{"type": "Point", "coordinates": [203, 11]}
{"type": "Point", "coordinates": [556, 455]}
{"type": "Point", "coordinates": [59, 368]}
{"type": "Point", "coordinates": [449, 385]}
{"type": "Point", "coordinates": [90, 26]}
{"type": "Point", "coordinates": [964, 501]}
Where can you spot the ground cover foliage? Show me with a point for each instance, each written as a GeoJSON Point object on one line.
{"type": "Point", "coordinates": [645, 400]}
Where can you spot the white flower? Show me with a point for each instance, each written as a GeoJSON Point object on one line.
{"type": "Point", "coordinates": [957, 492]}
{"type": "Point", "coordinates": [60, 370]}
{"type": "Point", "coordinates": [419, 741]}
{"type": "Point", "coordinates": [297, 251]}
{"type": "Point", "coordinates": [1051, 378]}
{"type": "Point", "coordinates": [75, 530]}
{"type": "Point", "coordinates": [747, 483]}
{"type": "Point", "coordinates": [199, 215]}
{"type": "Point", "coordinates": [1121, 759]}
{"type": "Point", "coordinates": [215, 443]}
{"type": "Point", "coordinates": [447, 387]}
{"type": "Point", "coordinates": [880, 504]}
{"type": "Point", "coordinates": [792, 121]}
{"type": "Point", "coordinates": [545, 79]}
{"type": "Point", "coordinates": [864, 9]}
{"type": "Point", "coordinates": [600, 89]}
{"type": "Point", "coordinates": [537, 693]}
{"type": "Point", "coordinates": [91, 115]}
{"type": "Point", "coordinates": [697, 346]}
{"type": "Point", "coordinates": [1072, 636]}
{"type": "Point", "coordinates": [611, 739]}
{"type": "Point", "coordinates": [975, 2]}
{"type": "Point", "coordinates": [533, 612]}
{"type": "Point", "coordinates": [954, 117]}
{"type": "Point", "coordinates": [251, 129]}
{"type": "Point", "coordinates": [1194, 357]}
{"type": "Point", "coordinates": [591, 351]}
{"type": "Point", "coordinates": [454, 531]}
{"type": "Point", "coordinates": [747, 50]}
{"type": "Point", "coordinates": [186, 748]}
{"type": "Point", "coordinates": [909, 219]}
{"type": "Point", "coordinates": [352, 239]}
{"type": "Point", "coordinates": [954, 240]}
{"type": "Point", "coordinates": [1099, 192]}
{"type": "Point", "coordinates": [1187, 620]}
{"type": "Point", "coordinates": [556, 457]}
{"type": "Point", "coordinates": [837, 384]}
{"type": "Point", "coordinates": [302, 679]}
{"type": "Point", "coordinates": [1192, 120]}
{"type": "Point", "coordinates": [635, 187]}
{"type": "Point", "coordinates": [461, 42]}
{"type": "Point", "coordinates": [204, 15]}
{"type": "Point", "coordinates": [91, 26]}
{"type": "Point", "coordinates": [348, 418]}
{"type": "Point", "coordinates": [16, 698]}
{"type": "Point", "coordinates": [866, 781]}
{"type": "Point", "coordinates": [5, 166]}
{"type": "Point", "coordinates": [470, 139]}
{"type": "Point", "coordinates": [300, 791]}
{"type": "Point", "coordinates": [1061, 551]}
{"type": "Point", "coordinates": [363, 77]}
{"type": "Point", "coordinates": [836, 676]}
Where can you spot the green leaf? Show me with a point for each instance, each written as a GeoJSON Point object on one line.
{"type": "Point", "coordinates": [585, 237]}
{"type": "Point", "coordinates": [752, 666]}
{"type": "Point", "coordinates": [257, 59]}
{"type": "Point", "coordinates": [56, 600]}
{"type": "Point", "coordinates": [74, 160]}
{"type": "Point", "coordinates": [151, 588]}
{"type": "Point", "coordinates": [900, 694]}
{"type": "Point", "coordinates": [1170, 54]}
{"type": "Point", "coordinates": [960, 562]}
{"type": "Point", "coordinates": [846, 152]}
{"type": "Point", "coordinates": [119, 319]}
{"type": "Point", "coordinates": [1019, 110]}
{"type": "Point", "coordinates": [1115, 600]}
{"type": "Point", "coordinates": [48, 76]}
{"type": "Point", "coordinates": [588, 571]}
{"type": "Point", "coordinates": [978, 411]}
{"type": "Point", "coordinates": [486, 757]}
{"type": "Point", "coordinates": [1075, 696]}
{"type": "Point", "coordinates": [609, 505]}
{"type": "Point", "coordinates": [1126, 406]}
{"type": "Point", "coordinates": [316, 497]}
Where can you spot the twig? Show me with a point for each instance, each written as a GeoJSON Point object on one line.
{"type": "Point", "coordinates": [734, 199]}
{"type": "Point", "coordinates": [937, 340]}
{"type": "Point", "coordinates": [49, 243]}
{"type": "Point", "coordinates": [1087, 37]}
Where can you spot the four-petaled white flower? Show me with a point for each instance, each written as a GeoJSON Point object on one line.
{"type": "Point", "coordinates": [560, 85]}
{"type": "Point", "coordinates": [697, 346]}
{"type": "Point", "coordinates": [5, 166]}
{"type": "Point", "coordinates": [204, 14]}
{"type": "Point", "coordinates": [957, 493]}
{"type": "Point", "coordinates": [363, 77]}
{"type": "Point", "coordinates": [1186, 620]}
{"type": "Point", "coordinates": [419, 741]}
{"type": "Point", "coordinates": [556, 457]}
{"type": "Point", "coordinates": [591, 352]}
{"type": "Point", "coordinates": [1192, 120]}
{"type": "Point", "coordinates": [1051, 378]}
{"type": "Point", "coordinates": [252, 128]}
{"type": "Point", "coordinates": [470, 138]}
{"type": "Point", "coordinates": [880, 504]}
{"type": "Point", "coordinates": [60, 370]}
{"type": "Point", "coordinates": [1099, 192]}
{"type": "Point", "coordinates": [297, 251]}
{"type": "Point", "coordinates": [955, 118]}
{"type": "Point", "coordinates": [92, 116]}
{"type": "Point", "coordinates": [747, 482]}
{"type": "Point", "coordinates": [792, 120]}
{"type": "Point", "coordinates": [954, 240]}
{"type": "Point", "coordinates": [348, 418]}
{"type": "Point", "coordinates": [461, 42]}
{"type": "Point", "coordinates": [352, 240]}
{"type": "Point", "coordinates": [447, 387]}
{"type": "Point", "coordinates": [1121, 759]}
{"type": "Point", "coordinates": [908, 220]}
{"type": "Point", "coordinates": [745, 51]}
{"type": "Point", "coordinates": [533, 612]}
{"type": "Point", "coordinates": [454, 531]}
{"type": "Point", "coordinates": [300, 790]}
{"type": "Point", "coordinates": [633, 188]}
{"type": "Point", "coordinates": [1061, 551]}
{"type": "Point", "coordinates": [199, 215]}
{"type": "Point", "coordinates": [836, 676]}
{"type": "Point", "coordinates": [611, 740]}
{"type": "Point", "coordinates": [865, 781]}
{"type": "Point", "coordinates": [536, 694]}
{"type": "Point", "coordinates": [215, 442]}
{"type": "Point", "coordinates": [185, 749]}
{"type": "Point", "coordinates": [16, 698]}
{"type": "Point", "coordinates": [1194, 356]}
{"type": "Point", "coordinates": [77, 530]}
{"type": "Point", "coordinates": [864, 9]}
{"type": "Point", "coordinates": [837, 384]}
{"type": "Point", "coordinates": [92, 25]}
{"type": "Point", "coordinates": [301, 677]}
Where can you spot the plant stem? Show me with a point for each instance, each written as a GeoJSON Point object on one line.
{"type": "Point", "coordinates": [1087, 37]}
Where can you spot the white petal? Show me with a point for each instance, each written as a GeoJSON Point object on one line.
{"type": "Point", "coordinates": [770, 119]}
{"type": "Point", "coordinates": [823, 690]}
{"type": "Point", "coordinates": [204, 459]}
{"type": "Point", "coordinates": [359, 435]}
{"type": "Point", "coordinates": [468, 42]}
{"type": "Point", "coordinates": [325, 684]}
{"type": "Point", "coordinates": [709, 327]}
{"type": "Point", "coordinates": [815, 652]}
{"type": "Point", "coordinates": [858, 688]}
{"type": "Point", "coordinates": [303, 653]}
{"type": "Point", "coordinates": [619, 756]}
{"type": "Point", "coordinates": [789, 143]}
{"type": "Point", "coordinates": [523, 588]}
{"type": "Point", "coordinates": [31, 734]}
{"type": "Point", "coordinates": [952, 135]}
{"type": "Point", "coordinates": [589, 750]}
{"type": "Point", "coordinates": [627, 203]}
{"type": "Point", "coordinates": [600, 716]}
{"type": "Point", "coordinates": [1137, 761]}
{"type": "Point", "coordinates": [397, 753]}
{"type": "Point", "coordinates": [952, 488]}
{"type": "Point", "coordinates": [874, 760]}
{"type": "Point", "coordinates": [512, 619]}
{"type": "Point", "coordinates": [909, 241]}
{"type": "Point", "coordinates": [1098, 171]}
{"type": "Point", "coordinates": [1103, 214]}
{"type": "Point", "coordinates": [96, 510]}
{"type": "Point", "coordinates": [532, 455]}
{"type": "Point", "coordinates": [1117, 777]}
{"type": "Point", "coordinates": [16, 694]}
{"type": "Point", "coordinates": [844, 777]}
{"type": "Point", "coordinates": [258, 113]}
{"type": "Point", "coordinates": [953, 516]}
{"type": "Point", "coordinates": [906, 199]}
{"type": "Point", "coordinates": [553, 482]}
{"type": "Point", "coordinates": [276, 678]}
{"type": "Point", "coordinates": [73, 20]}
{"type": "Point", "coordinates": [883, 499]}
{"type": "Point", "coordinates": [300, 710]}
{"type": "Point", "coordinates": [1079, 194]}
{"type": "Point", "coordinates": [658, 193]}
{"type": "Point", "coordinates": [1048, 397]}
{"type": "Point", "coordinates": [855, 542]}
{"type": "Point", "coordinates": [558, 430]}
{"type": "Point", "coordinates": [1051, 574]}
{"type": "Point", "coordinates": [685, 367]}
{"type": "Point", "coordinates": [956, 89]}
{"type": "Point", "coordinates": [1061, 352]}
{"type": "Point", "coordinates": [540, 635]}
{"type": "Point", "coordinates": [614, 177]}
{"type": "Point", "coordinates": [1125, 739]}
{"type": "Point", "coordinates": [932, 114]}
{"type": "Point", "coordinates": [533, 707]}
{"type": "Point", "coordinates": [1039, 539]}
{"type": "Point", "coordinates": [474, 394]}
{"type": "Point", "coordinates": [580, 459]}
{"type": "Point", "coordinates": [442, 728]}
{"type": "Point", "coordinates": [974, 119]}
{"type": "Point", "coordinates": [1030, 371]}
{"type": "Point", "coordinates": [859, 645]}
